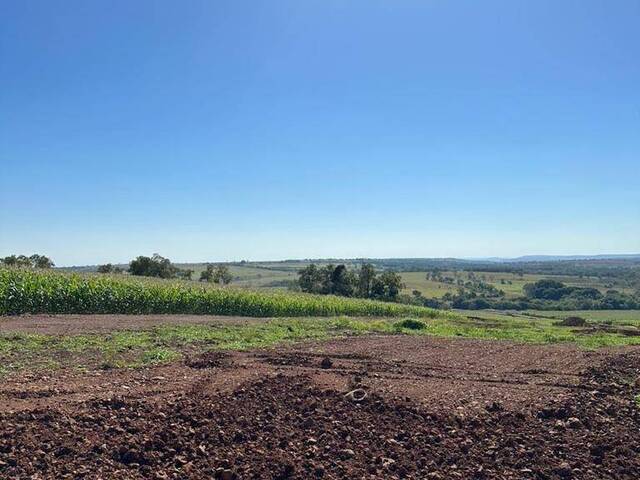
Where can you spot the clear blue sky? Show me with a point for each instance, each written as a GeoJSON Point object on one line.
{"type": "Point", "coordinates": [215, 130]}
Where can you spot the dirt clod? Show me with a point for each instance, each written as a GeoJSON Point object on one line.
{"type": "Point", "coordinates": [326, 363]}
{"type": "Point", "coordinates": [211, 359]}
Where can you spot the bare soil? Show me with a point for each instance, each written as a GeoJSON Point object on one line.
{"type": "Point", "coordinates": [434, 409]}
{"type": "Point", "coordinates": [81, 324]}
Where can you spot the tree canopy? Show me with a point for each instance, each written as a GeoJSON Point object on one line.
{"type": "Point", "coordinates": [33, 261]}
{"type": "Point", "coordinates": [339, 280]}
{"type": "Point", "coordinates": [217, 274]}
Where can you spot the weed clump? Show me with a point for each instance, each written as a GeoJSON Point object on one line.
{"type": "Point", "coordinates": [410, 324]}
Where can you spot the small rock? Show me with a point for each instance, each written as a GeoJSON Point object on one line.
{"type": "Point", "coordinates": [564, 470]}
{"type": "Point", "coordinates": [225, 474]}
{"type": "Point", "coordinates": [347, 453]}
{"type": "Point", "coordinates": [387, 461]}
{"type": "Point", "coordinates": [598, 450]}
{"type": "Point", "coordinates": [494, 407]}
{"type": "Point", "coordinates": [326, 363]}
{"type": "Point", "coordinates": [287, 471]}
{"type": "Point", "coordinates": [573, 422]}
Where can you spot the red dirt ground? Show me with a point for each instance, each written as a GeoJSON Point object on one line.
{"type": "Point", "coordinates": [435, 409]}
{"type": "Point", "coordinates": [78, 324]}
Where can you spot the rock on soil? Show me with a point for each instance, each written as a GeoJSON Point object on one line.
{"type": "Point", "coordinates": [326, 363]}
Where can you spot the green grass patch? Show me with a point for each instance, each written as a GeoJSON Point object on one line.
{"type": "Point", "coordinates": [165, 343]}
{"type": "Point", "coordinates": [614, 317]}
{"type": "Point", "coordinates": [168, 343]}
{"type": "Point", "coordinates": [159, 355]}
{"type": "Point", "coordinates": [497, 326]}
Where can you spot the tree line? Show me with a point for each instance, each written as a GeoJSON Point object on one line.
{"type": "Point", "coordinates": [32, 261]}
{"type": "Point", "coordinates": [540, 295]}
{"type": "Point", "coordinates": [161, 267]}
{"type": "Point", "coordinates": [338, 280]}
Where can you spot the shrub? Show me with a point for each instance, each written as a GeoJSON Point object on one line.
{"type": "Point", "coordinates": [411, 324]}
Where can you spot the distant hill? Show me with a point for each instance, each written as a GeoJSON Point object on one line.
{"type": "Point", "coordinates": [556, 258]}
{"type": "Point", "coordinates": [587, 264]}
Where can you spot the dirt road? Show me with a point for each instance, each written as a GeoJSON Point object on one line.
{"type": "Point", "coordinates": [80, 324]}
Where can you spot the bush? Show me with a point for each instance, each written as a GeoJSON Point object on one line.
{"type": "Point", "coordinates": [546, 290]}
{"type": "Point", "coordinates": [411, 324]}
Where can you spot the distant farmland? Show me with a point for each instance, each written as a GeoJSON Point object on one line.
{"type": "Point", "coordinates": [279, 275]}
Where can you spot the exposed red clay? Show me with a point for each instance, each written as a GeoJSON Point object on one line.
{"type": "Point", "coordinates": [434, 409]}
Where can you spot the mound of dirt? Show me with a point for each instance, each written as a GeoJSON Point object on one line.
{"type": "Point", "coordinates": [572, 322]}
{"type": "Point", "coordinates": [210, 359]}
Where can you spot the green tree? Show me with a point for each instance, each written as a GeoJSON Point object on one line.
{"type": "Point", "coordinates": [392, 282]}
{"type": "Point", "coordinates": [22, 261]}
{"type": "Point", "coordinates": [217, 274]}
{"type": "Point", "coordinates": [106, 268]}
{"type": "Point", "coordinates": [185, 274]}
{"type": "Point", "coordinates": [207, 274]}
{"type": "Point", "coordinates": [366, 274]}
{"type": "Point", "coordinates": [546, 290]}
{"type": "Point", "coordinates": [156, 266]}
{"type": "Point", "coordinates": [222, 275]}
{"type": "Point", "coordinates": [342, 281]}
{"type": "Point", "coordinates": [19, 261]}
{"type": "Point", "coordinates": [310, 279]}
{"type": "Point", "coordinates": [326, 275]}
{"type": "Point", "coordinates": [377, 289]}
{"type": "Point", "coordinates": [41, 261]}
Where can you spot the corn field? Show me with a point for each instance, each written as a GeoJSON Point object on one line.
{"type": "Point", "coordinates": [25, 291]}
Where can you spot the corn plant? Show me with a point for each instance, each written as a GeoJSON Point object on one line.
{"type": "Point", "coordinates": [25, 291]}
